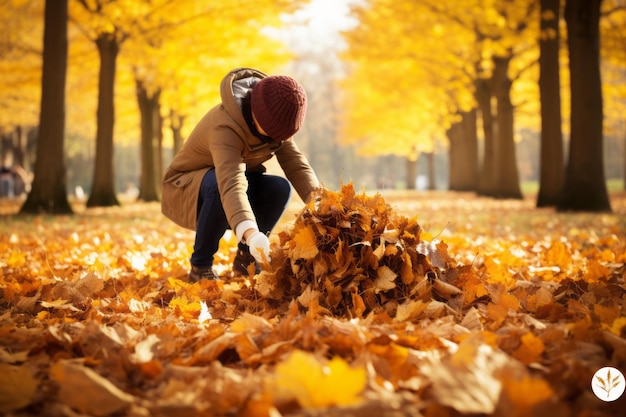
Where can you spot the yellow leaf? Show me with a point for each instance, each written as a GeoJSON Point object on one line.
{"type": "Point", "coordinates": [188, 307]}
{"type": "Point", "coordinates": [618, 326]}
{"type": "Point", "coordinates": [17, 387]}
{"type": "Point", "coordinates": [315, 385]}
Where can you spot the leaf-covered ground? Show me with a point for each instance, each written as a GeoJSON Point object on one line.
{"type": "Point", "coordinates": [400, 304]}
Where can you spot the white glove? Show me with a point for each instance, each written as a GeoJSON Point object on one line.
{"type": "Point", "coordinates": [259, 247]}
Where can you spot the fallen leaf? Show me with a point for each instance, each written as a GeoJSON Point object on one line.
{"type": "Point", "coordinates": [86, 391]}
{"type": "Point", "coordinates": [17, 387]}
{"type": "Point", "coordinates": [302, 377]}
{"type": "Point", "coordinates": [385, 279]}
{"type": "Point", "coordinates": [304, 244]}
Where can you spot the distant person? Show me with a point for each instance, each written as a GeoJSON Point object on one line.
{"type": "Point", "coordinates": [131, 191]}
{"type": "Point", "coordinates": [79, 192]}
{"type": "Point", "coordinates": [217, 180]}
{"type": "Point", "coordinates": [7, 181]}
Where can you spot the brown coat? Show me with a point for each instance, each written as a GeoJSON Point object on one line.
{"type": "Point", "coordinates": [223, 141]}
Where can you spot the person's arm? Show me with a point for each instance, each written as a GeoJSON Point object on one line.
{"type": "Point", "coordinates": [298, 170]}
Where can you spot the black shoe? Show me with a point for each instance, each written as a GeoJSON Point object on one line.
{"type": "Point", "coordinates": [198, 273]}
{"type": "Point", "coordinates": [242, 260]}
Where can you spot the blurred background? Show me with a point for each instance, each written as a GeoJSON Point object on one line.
{"type": "Point", "coordinates": [466, 95]}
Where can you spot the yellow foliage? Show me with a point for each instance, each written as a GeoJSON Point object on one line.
{"type": "Point", "coordinates": [302, 377]}
{"type": "Point", "coordinates": [411, 84]}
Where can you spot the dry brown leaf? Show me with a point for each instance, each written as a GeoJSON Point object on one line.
{"type": "Point", "coordinates": [385, 279]}
{"type": "Point", "coordinates": [17, 387]}
{"type": "Point", "coordinates": [250, 323]}
{"type": "Point", "coordinates": [87, 392]}
{"type": "Point", "coordinates": [469, 381]}
{"type": "Point", "coordinates": [144, 350]}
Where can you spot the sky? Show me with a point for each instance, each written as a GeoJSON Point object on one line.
{"type": "Point", "coordinates": [316, 26]}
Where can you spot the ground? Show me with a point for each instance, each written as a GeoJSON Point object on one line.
{"type": "Point", "coordinates": [401, 303]}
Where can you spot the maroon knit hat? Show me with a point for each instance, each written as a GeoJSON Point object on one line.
{"type": "Point", "coordinates": [279, 106]}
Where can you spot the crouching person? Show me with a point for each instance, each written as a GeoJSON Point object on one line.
{"type": "Point", "coordinates": [217, 180]}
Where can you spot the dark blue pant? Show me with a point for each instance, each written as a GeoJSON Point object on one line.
{"type": "Point", "coordinates": [268, 195]}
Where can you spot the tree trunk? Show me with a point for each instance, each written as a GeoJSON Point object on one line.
{"type": "Point", "coordinates": [455, 156]}
{"type": "Point", "coordinates": [551, 165]}
{"type": "Point", "coordinates": [19, 146]}
{"type": "Point", "coordinates": [49, 187]}
{"type": "Point", "coordinates": [470, 171]}
{"type": "Point", "coordinates": [463, 171]}
{"type": "Point", "coordinates": [488, 171]}
{"type": "Point", "coordinates": [507, 174]}
{"type": "Point", "coordinates": [176, 124]}
{"type": "Point", "coordinates": [411, 172]}
{"type": "Point", "coordinates": [430, 166]}
{"type": "Point", "coordinates": [149, 181]}
{"type": "Point", "coordinates": [585, 185]}
{"type": "Point", "coordinates": [103, 188]}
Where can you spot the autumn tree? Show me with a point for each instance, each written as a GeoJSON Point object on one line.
{"type": "Point", "coordinates": [551, 164]}
{"type": "Point", "coordinates": [49, 192]}
{"type": "Point", "coordinates": [469, 46]}
{"type": "Point", "coordinates": [170, 79]}
{"type": "Point", "coordinates": [397, 96]}
{"type": "Point", "coordinates": [102, 22]}
{"type": "Point", "coordinates": [613, 61]}
{"type": "Point", "coordinates": [504, 42]}
{"type": "Point", "coordinates": [20, 85]}
{"type": "Point", "coordinates": [585, 185]}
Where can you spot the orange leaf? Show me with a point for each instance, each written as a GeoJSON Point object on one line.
{"type": "Point", "coordinates": [595, 271]}
{"type": "Point", "coordinates": [530, 350]}
{"type": "Point", "coordinates": [526, 393]}
{"type": "Point", "coordinates": [304, 245]}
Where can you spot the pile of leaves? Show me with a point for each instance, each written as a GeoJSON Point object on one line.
{"type": "Point", "coordinates": [352, 255]}
{"type": "Point", "coordinates": [361, 312]}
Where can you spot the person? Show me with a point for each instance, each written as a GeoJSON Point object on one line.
{"type": "Point", "coordinates": [217, 181]}
{"type": "Point", "coordinates": [7, 180]}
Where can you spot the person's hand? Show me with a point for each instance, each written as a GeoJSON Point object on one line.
{"type": "Point", "coordinates": [259, 247]}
